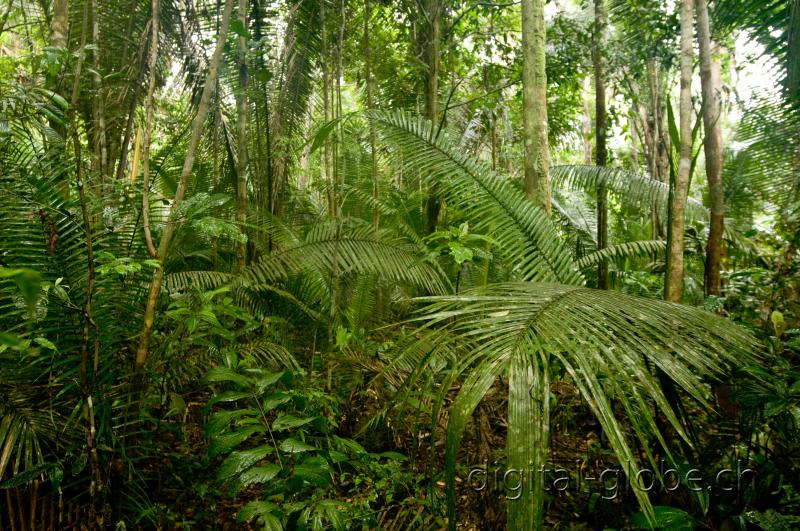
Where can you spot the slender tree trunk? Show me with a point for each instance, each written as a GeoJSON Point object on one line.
{"type": "Point", "coordinates": [634, 143]}
{"type": "Point", "coordinates": [98, 102]}
{"type": "Point", "coordinates": [149, 105]}
{"type": "Point", "coordinates": [134, 99]}
{"type": "Point", "coordinates": [86, 388]}
{"type": "Point", "coordinates": [188, 164]}
{"type": "Point", "coordinates": [793, 56]}
{"type": "Point", "coordinates": [370, 106]}
{"type": "Point", "coordinates": [534, 104]}
{"type": "Point", "coordinates": [586, 122]}
{"type": "Point", "coordinates": [327, 166]}
{"type": "Point", "coordinates": [241, 131]}
{"type": "Point", "coordinates": [673, 281]}
{"type": "Point", "coordinates": [433, 11]}
{"type": "Point", "coordinates": [712, 115]}
{"type": "Point", "coordinates": [600, 138]}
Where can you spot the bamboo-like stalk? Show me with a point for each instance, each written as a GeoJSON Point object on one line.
{"type": "Point", "coordinates": [148, 126]}
{"type": "Point", "coordinates": [169, 228]}
{"type": "Point", "coordinates": [241, 140]}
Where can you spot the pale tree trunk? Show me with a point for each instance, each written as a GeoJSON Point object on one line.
{"type": "Point", "coordinates": [148, 126]}
{"type": "Point", "coordinates": [600, 137]}
{"type": "Point", "coordinates": [241, 132]}
{"type": "Point", "coordinates": [673, 281]}
{"type": "Point", "coordinates": [586, 122]}
{"type": "Point", "coordinates": [634, 143]}
{"type": "Point", "coordinates": [60, 25]}
{"type": "Point", "coordinates": [370, 106]}
{"type": "Point", "coordinates": [534, 104]}
{"type": "Point", "coordinates": [712, 115]}
{"type": "Point", "coordinates": [188, 164]}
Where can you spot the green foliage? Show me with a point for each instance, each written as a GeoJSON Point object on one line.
{"type": "Point", "coordinates": [523, 329]}
{"type": "Point", "coordinates": [272, 430]}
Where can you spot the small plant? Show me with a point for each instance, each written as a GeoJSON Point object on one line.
{"type": "Point", "coordinates": [275, 437]}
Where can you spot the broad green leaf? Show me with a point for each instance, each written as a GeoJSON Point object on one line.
{"type": "Point", "coordinates": [294, 446]}
{"type": "Point", "coordinates": [224, 374]}
{"type": "Point", "coordinates": [286, 421]}
{"type": "Point", "coordinates": [225, 442]}
{"type": "Point", "coordinates": [240, 461]}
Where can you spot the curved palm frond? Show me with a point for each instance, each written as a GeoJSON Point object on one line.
{"type": "Point", "coordinates": [622, 250]}
{"type": "Point", "coordinates": [355, 249]}
{"type": "Point", "coordinates": [607, 342]}
{"type": "Point", "coordinates": [635, 188]}
{"type": "Point", "coordinates": [526, 236]}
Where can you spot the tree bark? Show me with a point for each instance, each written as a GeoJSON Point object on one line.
{"type": "Point", "coordinates": [148, 125]}
{"type": "Point", "coordinates": [433, 12]}
{"type": "Point", "coordinates": [600, 138]}
{"type": "Point", "coordinates": [586, 122]}
{"type": "Point", "coordinates": [673, 281]}
{"type": "Point", "coordinates": [188, 164]}
{"type": "Point", "coordinates": [98, 102]}
{"type": "Point", "coordinates": [711, 86]}
{"type": "Point", "coordinates": [60, 24]}
{"type": "Point", "coordinates": [534, 104]}
{"type": "Point", "coordinates": [370, 106]}
{"type": "Point", "coordinates": [241, 133]}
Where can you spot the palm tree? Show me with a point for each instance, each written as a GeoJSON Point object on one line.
{"type": "Point", "coordinates": [606, 341]}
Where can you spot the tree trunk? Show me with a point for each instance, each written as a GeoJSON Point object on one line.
{"type": "Point", "coordinates": [673, 281]}
{"type": "Point", "coordinates": [241, 131]}
{"type": "Point", "coordinates": [370, 106]}
{"type": "Point", "coordinates": [197, 131]}
{"type": "Point", "coordinates": [712, 115]}
{"type": "Point", "coordinates": [534, 104]}
{"type": "Point", "coordinates": [98, 102]}
{"type": "Point", "coordinates": [586, 122]}
{"type": "Point", "coordinates": [60, 24]}
{"type": "Point", "coordinates": [600, 138]}
{"type": "Point", "coordinates": [96, 482]}
{"type": "Point", "coordinates": [148, 126]}
{"type": "Point", "coordinates": [433, 11]}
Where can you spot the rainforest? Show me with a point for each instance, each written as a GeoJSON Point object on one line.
{"type": "Point", "coordinates": [400, 264]}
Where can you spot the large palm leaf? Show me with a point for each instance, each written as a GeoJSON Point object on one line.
{"type": "Point", "coordinates": [494, 205]}
{"type": "Point", "coordinates": [608, 343]}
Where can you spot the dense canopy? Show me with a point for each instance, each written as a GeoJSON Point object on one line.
{"type": "Point", "coordinates": [422, 264]}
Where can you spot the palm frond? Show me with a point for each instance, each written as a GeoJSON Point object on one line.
{"type": "Point", "coordinates": [623, 250]}
{"type": "Point", "coordinates": [636, 189]}
{"type": "Point", "coordinates": [607, 341]}
{"type": "Point", "coordinates": [493, 205]}
{"type": "Point", "coordinates": [355, 249]}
